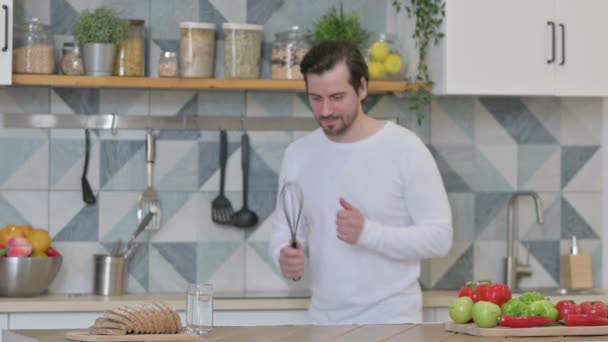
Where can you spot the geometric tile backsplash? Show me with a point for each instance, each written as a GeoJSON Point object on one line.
{"type": "Point", "coordinates": [486, 148]}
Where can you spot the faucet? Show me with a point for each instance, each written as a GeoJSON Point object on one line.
{"type": "Point", "coordinates": [513, 269]}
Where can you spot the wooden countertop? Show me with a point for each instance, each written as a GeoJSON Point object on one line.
{"type": "Point", "coordinates": [222, 302]}
{"type": "Point", "coordinates": [426, 332]}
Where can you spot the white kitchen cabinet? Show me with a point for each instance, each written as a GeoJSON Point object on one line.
{"type": "Point", "coordinates": [3, 324]}
{"type": "Point", "coordinates": [516, 47]}
{"type": "Point", "coordinates": [585, 63]}
{"type": "Point", "coordinates": [6, 41]}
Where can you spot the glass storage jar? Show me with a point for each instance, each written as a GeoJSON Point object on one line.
{"type": "Point", "coordinates": [130, 53]}
{"type": "Point", "coordinates": [33, 48]}
{"type": "Point", "coordinates": [385, 59]}
{"type": "Point", "coordinates": [242, 50]}
{"type": "Point", "coordinates": [288, 49]}
{"type": "Point", "coordinates": [71, 60]}
{"type": "Point", "coordinates": [197, 46]}
{"type": "Point", "coordinates": [167, 64]}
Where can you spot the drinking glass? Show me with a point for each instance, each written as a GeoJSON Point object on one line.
{"type": "Point", "coordinates": [199, 310]}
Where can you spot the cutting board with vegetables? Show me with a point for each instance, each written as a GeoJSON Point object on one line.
{"type": "Point", "coordinates": [554, 330]}
{"type": "Point", "coordinates": [86, 337]}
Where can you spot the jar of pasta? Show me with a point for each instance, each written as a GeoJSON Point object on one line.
{"type": "Point", "coordinates": [288, 49]}
{"type": "Point", "coordinates": [242, 50]}
{"type": "Point", "coordinates": [33, 48]}
{"type": "Point", "coordinates": [197, 47]}
{"type": "Point", "coordinates": [130, 53]}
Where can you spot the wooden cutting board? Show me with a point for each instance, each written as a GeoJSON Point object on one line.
{"type": "Point", "coordinates": [85, 336]}
{"type": "Point", "coordinates": [472, 329]}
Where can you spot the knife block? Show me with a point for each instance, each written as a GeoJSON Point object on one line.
{"type": "Point", "coordinates": [576, 271]}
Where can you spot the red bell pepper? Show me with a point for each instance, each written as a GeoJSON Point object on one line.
{"type": "Point", "coordinates": [574, 320]}
{"type": "Point", "coordinates": [523, 321]}
{"type": "Point", "coordinates": [597, 308]}
{"type": "Point", "coordinates": [566, 307]}
{"type": "Point", "coordinates": [495, 293]}
{"type": "Point", "coordinates": [469, 290]}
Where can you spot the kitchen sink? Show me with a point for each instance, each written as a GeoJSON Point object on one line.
{"type": "Point", "coordinates": [556, 291]}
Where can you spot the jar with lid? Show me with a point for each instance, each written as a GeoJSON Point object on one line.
{"type": "Point", "coordinates": [33, 48]}
{"type": "Point", "coordinates": [71, 60]}
{"type": "Point", "coordinates": [197, 46]}
{"type": "Point", "coordinates": [385, 59]}
{"type": "Point", "coordinates": [167, 64]}
{"type": "Point", "coordinates": [242, 50]}
{"type": "Point", "coordinates": [288, 49]}
{"type": "Point", "coordinates": [130, 53]}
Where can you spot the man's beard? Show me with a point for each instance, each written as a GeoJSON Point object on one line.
{"type": "Point", "coordinates": [339, 125]}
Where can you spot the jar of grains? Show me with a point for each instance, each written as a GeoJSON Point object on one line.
{"type": "Point", "coordinates": [130, 53]}
{"type": "Point", "coordinates": [242, 50]}
{"type": "Point", "coordinates": [288, 49]}
{"type": "Point", "coordinates": [197, 46]}
{"type": "Point", "coordinates": [33, 48]}
{"type": "Point", "coordinates": [167, 64]}
{"type": "Point", "coordinates": [71, 60]}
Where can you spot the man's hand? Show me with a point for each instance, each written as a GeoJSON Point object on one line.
{"type": "Point", "coordinates": [349, 223]}
{"type": "Point", "coordinates": [291, 261]}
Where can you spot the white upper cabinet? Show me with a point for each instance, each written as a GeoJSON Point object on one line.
{"type": "Point", "coordinates": [6, 41]}
{"type": "Point", "coordinates": [522, 47]}
{"type": "Point", "coordinates": [582, 68]}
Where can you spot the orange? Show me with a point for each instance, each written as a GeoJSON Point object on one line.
{"type": "Point", "coordinates": [26, 229]}
{"type": "Point", "coordinates": [40, 240]}
{"type": "Point", "coordinates": [8, 232]}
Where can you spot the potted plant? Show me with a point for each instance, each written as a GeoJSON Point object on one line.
{"type": "Point", "coordinates": [99, 31]}
{"type": "Point", "coordinates": [335, 25]}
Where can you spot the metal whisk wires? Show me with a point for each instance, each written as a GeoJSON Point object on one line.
{"type": "Point", "coordinates": [292, 200]}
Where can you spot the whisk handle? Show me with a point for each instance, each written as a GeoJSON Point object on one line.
{"type": "Point", "coordinates": [294, 244]}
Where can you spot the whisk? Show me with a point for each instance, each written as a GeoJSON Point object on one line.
{"type": "Point", "coordinates": [292, 200]}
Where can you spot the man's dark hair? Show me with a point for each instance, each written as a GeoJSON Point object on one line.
{"type": "Point", "coordinates": [325, 55]}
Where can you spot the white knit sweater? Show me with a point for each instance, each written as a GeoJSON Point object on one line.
{"type": "Point", "coordinates": [392, 179]}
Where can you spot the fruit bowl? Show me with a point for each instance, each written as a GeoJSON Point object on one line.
{"type": "Point", "coordinates": [27, 277]}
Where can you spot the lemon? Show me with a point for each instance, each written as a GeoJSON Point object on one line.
{"type": "Point", "coordinates": [376, 70]}
{"type": "Point", "coordinates": [380, 50]}
{"type": "Point", "coordinates": [40, 240]}
{"type": "Point", "coordinates": [39, 255]}
{"type": "Point", "coordinates": [393, 64]}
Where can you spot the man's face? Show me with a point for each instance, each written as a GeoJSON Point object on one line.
{"type": "Point", "coordinates": [334, 102]}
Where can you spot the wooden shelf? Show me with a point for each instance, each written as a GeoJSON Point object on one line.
{"type": "Point", "coordinates": [185, 83]}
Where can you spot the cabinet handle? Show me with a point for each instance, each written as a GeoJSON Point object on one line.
{"type": "Point", "coordinates": [5, 8]}
{"type": "Point", "coordinates": [563, 28]}
{"type": "Point", "coordinates": [552, 24]}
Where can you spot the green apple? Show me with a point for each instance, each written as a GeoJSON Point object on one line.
{"type": "Point", "coordinates": [486, 314]}
{"type": "Point", "coordinates": [461, 309]}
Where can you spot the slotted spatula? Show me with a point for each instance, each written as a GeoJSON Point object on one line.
{"type": "Point", "coordinates": [149, 198]}
{"type": "Point", "coordinates": [221, 208]}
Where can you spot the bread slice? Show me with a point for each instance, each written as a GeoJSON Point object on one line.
{"type": "Point", "coordinates": [117, 316]}
{"type": "Point", "coordinates": [142, 315]}
{"type": "Point", "coordinates": [145, 327]}
{"type": "Point", "coordinates": [106, 331]}
{"type": "Point", "coordinates": [103, 322]}
{"type": "Point", "coordinates": [167, 317]}
{"type": "Point", "coordinates": [176, 319]}
{"type": "Point", "coordinates": [156, 329]}
{"type": "Point", "coordinates": [128, 312]}
{"type": "Point", "coordinates": [158, 316]}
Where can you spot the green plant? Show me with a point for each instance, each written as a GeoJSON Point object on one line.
{"type": "Point", "coordinates": [429, 15]}
{"type": "Point", "coordinates": [335, 25]}
{"type": "Point", "coordinates": [103, 25]}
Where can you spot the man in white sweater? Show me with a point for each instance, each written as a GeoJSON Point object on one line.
{"type": "Point", "coordinates": [374, 201]}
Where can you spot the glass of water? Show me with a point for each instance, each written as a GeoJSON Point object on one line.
{"type": "Point", "coordinates": [199, 311]}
